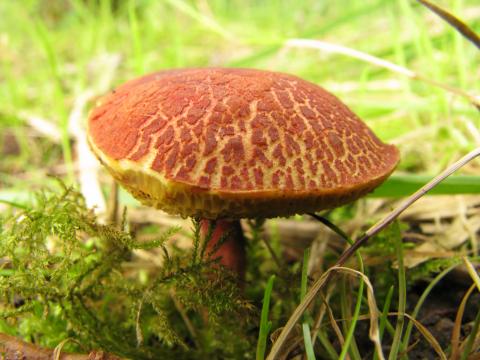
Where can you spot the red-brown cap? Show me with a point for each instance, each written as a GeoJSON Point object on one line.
{"type": "Point", "coordinates": [233, 143]}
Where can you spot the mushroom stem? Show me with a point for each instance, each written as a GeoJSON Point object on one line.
{"type": "Point", "coordinates": [232, 250]}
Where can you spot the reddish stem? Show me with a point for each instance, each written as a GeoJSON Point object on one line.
{"type": "Point", "coordinates": [232, 250]}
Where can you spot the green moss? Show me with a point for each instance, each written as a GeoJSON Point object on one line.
{"type": "Point", "coordinates": [62, 276]}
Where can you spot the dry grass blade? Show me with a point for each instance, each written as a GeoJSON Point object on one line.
{"type": "Point", "coordinates": [379, 226]}
{"type": "Point", "coordinates": [426, 334]}
{"type": "Point", "coordinates": [339, 49]}
{"type": "Point", "coordinates": [57, 352]}
{"type": "Point", "coordinates": [42, 126]}
{"type": "Point", "coordinates": [204, 19]}
{"type": "Point", "coordinates": [455, 22]}
{"type": "Point", "coordinates": [310, 296]}
{"type": "Point", "coordinates": [335, 326]}
{"type": "Point", "coordinates": [472, 272]}
{"type": "Point", "coordinates": [293, 343]}
{"type": "Point", "coordinates": [297, 313]}
{"type": "Point", "coordinates": [411, 347]}
{"type": "Point", "coordinates": [87, 163]}
{"type": "Point", "coordinates": [138, 328]}
{"type": "Point", "coordinates": [321, 313]}
{"type": "Point", "coordinates": [455, 341]}
{"type": "Point", "coordinates": [422, 329]}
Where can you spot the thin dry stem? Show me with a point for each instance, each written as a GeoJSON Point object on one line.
{"type": "Point", "coordinates": [455, 22]}
{"type": "Point", "coordinates": [455, 340]}
{"type": "Point", "coordinates": [409, 201]}
{"type": "Point", "coordinates": [472, 272]}
{"type": "Point", "coordinates": [336, 328]}
{"type": "Point", "coordinates": [339, 49]}
{"type": "Point", "coordinates": [321, 314]}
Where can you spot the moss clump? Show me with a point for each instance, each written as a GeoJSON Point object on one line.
{"type": "Point", "coordinates": [62, 274]}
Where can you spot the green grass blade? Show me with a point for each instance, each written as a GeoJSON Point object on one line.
{"type": "Point", "coordinates": [307, 338]}
{"type": "Point", "coordinates": [403, 185]}
{"type": "Point", "coordinates": [44, 38]}
{"type": "Point", "coordinates": [326, 27]}
{"type": "Point", "coordinates": [385, 311]}
{"type": "Point", "coordinates": [327, 346]}
{"type": "Point", "coordinates": [202, 19]}
{"type": "Point", "coordinates": [17, 198]}
{"type": "Point", "coordinates": [421, 300]}
{"type": "Point", "coordinates": [471, 338]}
{"type": "Point", "coordinates": [13, 204]}
{"type": "Point", "coordinates": [384, 316]}
{"type": "Point", "coordinates": [402, 294]}
{"type": "Point", "coordinates": [303, 284]}
{"type": "Point", "coordinates": [353, 323]}
{"type": "Point", "coordinates": [265, 325]}
{"type": "Point", "coordinates": [136, 38]}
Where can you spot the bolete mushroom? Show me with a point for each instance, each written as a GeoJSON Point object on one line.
{"type": "Point", "coordinates": [225, 144]}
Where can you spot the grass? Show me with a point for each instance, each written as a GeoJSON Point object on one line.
{"type": "Point", "coordinates": [421, 300]}
{"type": "Point", "coordinates": [402, 297]}
{"type": "Point", "coordinates": [349, 326]}
{"type": "Point", "coordinates": [52, 53]}
{"type": "Point", "coordinates": [307, 338]}
{"type": "Point", "coordinates": [265, 324]}
{"type": "Point", "coordinates": [384, 315]}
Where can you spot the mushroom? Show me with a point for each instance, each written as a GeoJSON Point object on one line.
{"type": "Point", "coordinates": [224, 144]}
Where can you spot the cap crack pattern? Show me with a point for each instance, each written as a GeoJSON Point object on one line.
{"type": "Point", "coordinates": [239, 130]}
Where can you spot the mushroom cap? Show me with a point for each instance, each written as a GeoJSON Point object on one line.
{"type": "Point", "coordinates": [236, 143]}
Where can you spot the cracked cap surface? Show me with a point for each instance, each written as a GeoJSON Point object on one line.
{"type": "Point", "coordinates": [232, 143]}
